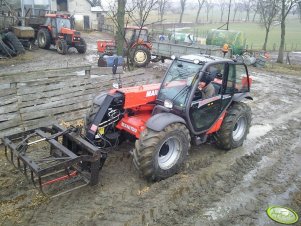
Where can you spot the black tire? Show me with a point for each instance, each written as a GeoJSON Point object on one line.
{"type": "Point", "coordinates": [61, 46]}
{"type": "Point", "coordinates": [140, 56]}
{"type": "Point", "coordinates": [6, 50]}
{"type": "Point", "coordinates": [17, 46]}
{"type": "Point", "coordinates": [235, 126]}
{"type": "Point", "coordinates": [44, 38]}
{"type": "Point", "coordinates": [159, 155]}
{"type": "Point", "coordinates": [82, 48]}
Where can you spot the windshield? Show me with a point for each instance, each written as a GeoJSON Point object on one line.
{"type": "Point", "coordinates": [178, 81]}
{"type": "Point", "coordinates": [62, 22]}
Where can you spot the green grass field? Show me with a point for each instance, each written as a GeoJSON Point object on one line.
{"type": "Point", "coordinates": [254, 32]}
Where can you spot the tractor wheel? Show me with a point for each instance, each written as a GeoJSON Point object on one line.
{"type": "Point", "coordinates": [44, 38]}
{"type": "Point", "coordinates": [140, 56]}
{"type": "Point", "coordinates": [11, 39]}
{"type": "Point", "coordinates": [61, 46]}
{"type": "Point", "coordinates": [6, 50]}
{"type": "Point", "coordinates": [159, 155]}
{"type": "Point", "coordinates": [235, 126]}
{"type": "Point", "coordinates": [82, 48]}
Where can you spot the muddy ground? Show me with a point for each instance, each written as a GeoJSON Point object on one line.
{"type": "Point", "coordinates": [214, 187]}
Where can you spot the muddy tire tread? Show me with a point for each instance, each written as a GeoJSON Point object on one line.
{"type": "Point", "coordinates": [145, 147]}
{"type": "Point", "coordinates": [224, 135]}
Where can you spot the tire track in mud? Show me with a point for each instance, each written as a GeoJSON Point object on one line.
{"type": "Point", "coordinates": [203, 189]}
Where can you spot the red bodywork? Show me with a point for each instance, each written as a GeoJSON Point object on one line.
{"type": "Point", "coordinates": [75, 35]}
{"type": "Point", "coordinates": [141, 101]}
{"type": "Point", "coordinates": [106, 46]}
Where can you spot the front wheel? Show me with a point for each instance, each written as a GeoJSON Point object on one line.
{"type": "Point", "coordinates": [82, 47]}
{"type": "Point", "coordinates": [235, 126]}
{"type": "Point", "coordinates": [61, 46]}
{"type": "Point", "coordinates": [159, 155]}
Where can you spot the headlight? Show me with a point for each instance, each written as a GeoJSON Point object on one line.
{"type": "Point", "coordinates": [168, 104]}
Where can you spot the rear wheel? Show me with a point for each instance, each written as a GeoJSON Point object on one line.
{"type": "Point", "coordinates": [61, 46]}
{"type": "Point", "coordinates": [235, 126]}
{"type": "Point", "coordinates": [44, 39]}
{"type": "Point", "coordinates": [140, 56]}
{"type": "Point", "coordinates": [159, 155]}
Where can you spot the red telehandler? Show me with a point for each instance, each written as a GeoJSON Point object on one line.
{"type": "Point", "coordinates": [162, 119]}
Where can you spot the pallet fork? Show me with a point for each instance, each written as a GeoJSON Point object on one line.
{"type": "Point", "coordinates": [55, 155]}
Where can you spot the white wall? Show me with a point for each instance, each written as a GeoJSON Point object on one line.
{"type": "Point", "coordinates": [79, 8]}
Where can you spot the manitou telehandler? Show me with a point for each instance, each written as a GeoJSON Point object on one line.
{"type": "Point", "coordinates": [162, 119]}
{"type": "Point", "coordinates": [58, 31]}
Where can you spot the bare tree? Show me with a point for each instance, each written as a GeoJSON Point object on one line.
{"type": "Point", "coordinates": [236, 7]}
{"type": "Point", "coordinates": [162, 5]}
{"type": "Point", "coordinates": [200, 5]}
{"type": "Point", "coordinates": [285, 8]}
{"type": "Point", "coordinates": [183, 5]}
{"type": "Point", "coordinates": [222, 7]}
{"type": "Point", "coordinates": [268, 10]}
{"type": "Point", "coordinates": [142, 6]}
{"type": "Point", "coordinates": [208, 8]}
{"type": "Point", "coordinates": [255, 8]}
{"type": "Point", "coordinates": [247, 8]}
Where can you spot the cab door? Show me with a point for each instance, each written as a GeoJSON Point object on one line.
{"type": "Point", "coordinates": [204, 112]}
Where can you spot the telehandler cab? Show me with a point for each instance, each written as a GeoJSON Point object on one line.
{"type": "Point", "coordinates": [162, 119]}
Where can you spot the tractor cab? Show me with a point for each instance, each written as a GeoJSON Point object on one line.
{"type": "Point", "coordinates": [180, 94]}
{"type": "Point", "coordinates": [58, 24]}
{"type": "Point", "coordinates": [136, 34]}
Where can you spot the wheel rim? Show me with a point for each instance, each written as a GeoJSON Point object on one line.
{"type": "Point", "coordinates": [140, 56]}
{"type": "Point", "coordinates": [42, 39]}
{"type": "Point", "coordinates": [239, 129]}
{"type": "Point", "coordinates": [169, 153]}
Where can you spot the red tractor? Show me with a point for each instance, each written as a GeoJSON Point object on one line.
{"type": "Point", "coordinates": [58, 31]}
{"type": "Point", "coordinates": [162, 119]}
{"type": "Point", "coordinates": [137, 42]}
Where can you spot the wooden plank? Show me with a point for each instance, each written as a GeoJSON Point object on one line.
{"type": "Point", "coordinates": [37, 101]}
{"type": "Point", "coordinates": [9, 116]}
{"type": "Point", "coordinates": [7, 92]}
{"type": "Point", "coordinates": [10, 131]}
{"type": "Point", "coordinates": [71, 116]}
{"type": "Point", "coordinates": [33, 124]}
{"type": "Point", "coordinates": [53, 111]}
{"type": "Point", "coordinates": [50, 94]}
{"type": "Point", "coordinates": [8, 99]}
{"type": "Point", "coordinates": [11, 123]}
{"type": "Point", "coordinates": [56, 104]}
{"type": "Point", "coordinates": [9, 108]}
{"type": "Point", "coordinates": [60, 85]}
{"type": "Point", "coordinates": [32, 75]}
{"type": "Point", "coordinates": [43, 81]}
